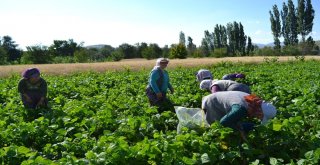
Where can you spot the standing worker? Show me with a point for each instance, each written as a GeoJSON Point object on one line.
{"type": "Point", "coordinates": [158, 85]}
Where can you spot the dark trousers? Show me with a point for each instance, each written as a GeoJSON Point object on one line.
{"type": "Point", "coordinates": [35, 98]}
{"type": "Point", "coordinates": [163, 104]}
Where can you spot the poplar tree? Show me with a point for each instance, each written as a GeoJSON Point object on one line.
{"type": "Point", "coordinates": [209, 39]}
{"type": "Point", "coordinates": [190, 46]}
{"type": "Point", "coordinates": [224, 37]}
{"type": "Point", "coordinates": [242, 40]}
{"type": "Point", "coordinates": [291, 22]}
{"type": "Point", "coordinates": [285, 28]}
{"type": "Point", "coordinates": [235, 34]}
{"type": "Point", "coordinates": [250, 47]}
{"type": "Point", "coordinates": [182, 38]}
{"type": "Point", "coordinates": [305, 14]}
{"type": "Point", "coordinates": [275, 26]}
{"type": "Point", "coordinates": [217, 36]}
{"type": "Point", "coordinates": [231, 38]}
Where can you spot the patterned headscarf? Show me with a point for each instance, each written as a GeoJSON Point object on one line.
{"type": "Point", "coordinates": [31, 72]}
{"type": "Point", "coordinates": [203, 74]}
{"type": "Point", "coordinates": [205, 84]}
{"type": "Point", "coordinates": [254, 106]}
{"type": "Point", "coordinates": [160, 60]}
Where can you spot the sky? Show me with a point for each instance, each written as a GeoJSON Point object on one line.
{"type": "Point", "coordinates": [114, 22]}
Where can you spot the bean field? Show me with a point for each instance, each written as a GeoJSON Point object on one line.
{"type": "Point", "coordinates": [105, 118]}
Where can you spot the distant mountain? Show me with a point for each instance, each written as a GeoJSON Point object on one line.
{"type": "Point", "coordinates": [264, 45]}
{"type": "Point", "coordinates": [272, 44]}
{"type": "Point", "coordinates": [98, 46]}
{"type": "Point", "coordinates": [267, 45]}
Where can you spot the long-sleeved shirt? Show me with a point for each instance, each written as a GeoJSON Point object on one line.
{"type": "Point", "coordinates": [26, 86]}
{"type": "Point", "coordinates": [223, 84]}
{"type": "Point", "coordinates": [228, 107]}
{"type": "Point", "coordinates": [155, 76]}
{"type": "Point", "coordinates": [228, 85]}
{"type": "Point", "coordinates": [233, 76]}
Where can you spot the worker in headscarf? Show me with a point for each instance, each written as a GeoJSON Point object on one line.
{"type": "Point", "coordinates": [33, 89]}
{"type": "Point", "coordinates": [158, 85]}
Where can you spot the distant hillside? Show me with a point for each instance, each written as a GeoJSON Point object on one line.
{"type": "Point", "coordinates": [98, 46]}
{"type": "Point", "coordinates": [264, 45]}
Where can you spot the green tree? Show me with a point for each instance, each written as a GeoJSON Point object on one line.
{"type": "Point", "coordinates": [147, 53]}
{"type": "Point", "coordinates": [105, 52]}
{"type": "Point", "coordinates": [81, 55]}
{"type": "Point", "coordinates": [156, 49]}
{"type": "Point", "coordinates": [178, 51]}
{"type": "Point", "coordinates": [285, 28]}
{"type": "Point", "coordinates": [250, 47]}
{"type": "Point", "coordinates": [182, 38]}
{"type": "Point", "coordinates": [128, 51]}
{"type": "Point", "coordinates": [204, 48]}
{"type": "Point", "coordinates": [275, 26]}
{"type": "Point", "coordinates": [64, 48]}
{"type": "Point", "coordinates": [235, 36]}
{"type": "Point", "coordinates": [209, 39]}
{"type": "Point", "coordinates": [220, 36]}
{"type": "Point", "coordinates": [231, 39]}
{"type": "Point", "coordinates": [207, 44]}
{"type": "Point", "coordinates": [3, 56]}
{"type": "Point", "coordinates": [165, 51]}
{"type": "Point", "coordinates": [10, 48]}
{"type": "Point", "coordinates": [117, 55]}
{"type": "Point", "coordinates": [305, 14]}
{"type": "Point", "coordinates": [191, 47]}
{"type": "Point", "coordinates": [291, 22]}
{"type": "Point", "coordinates": [223, 35]}
{"type": "Point", "coordinates": [140, 47]}
{"type": "Point", "coordinates": [217, 36]}
{"type": "Point", "coordinates": [36, 55]}
{"type": "Point", "coordinates": [242, 40]}
{"type": "Point", "coordinates": [152, 51]}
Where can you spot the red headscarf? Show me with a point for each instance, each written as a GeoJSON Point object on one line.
{"type": "Point", "coordinates": [254, 106]}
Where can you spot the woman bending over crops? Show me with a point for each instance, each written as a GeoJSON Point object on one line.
{"type": "Point", "coordinates": [231, 107]}
{"type": "Point", "coordinates": [223, 85]}
{"type": "Point", "coordinates": [158, 85]}
{"type": "Point", "coordinates": [33, 89]}
{"type": "Point", "coordinates": [204, 74]}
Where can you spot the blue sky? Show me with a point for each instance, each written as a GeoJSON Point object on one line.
{"type": "Point", "coordinates": [113, 22]}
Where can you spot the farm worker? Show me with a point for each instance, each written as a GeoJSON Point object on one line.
{"type": "Point", "coordinates": [230, 107]}
{"type": "Point", "coordinates": [204, 74]}
{"type": "Point", "coordinates": [223, 85]}
{"type": "Point", "coordinates": [233, 76]}
{"type": "Point", "coordinates": [33, 89]}
{"type": "Point", "coordinates": [158, 85]}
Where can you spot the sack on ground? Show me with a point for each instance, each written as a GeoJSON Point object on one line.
{"type": "Point", "coordinates": [192, 118]}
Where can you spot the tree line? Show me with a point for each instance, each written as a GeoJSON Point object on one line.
{"type": "Point", "coordinates": [291, 22]}
{"type": "Point", "coordinates": [225, 41]}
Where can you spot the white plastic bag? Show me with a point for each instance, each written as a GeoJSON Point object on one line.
{"type": "Point", "coordinates": [192, 118]}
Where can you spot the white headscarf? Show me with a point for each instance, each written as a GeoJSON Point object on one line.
{"type": "Point", "coordinates": [203, 74]}
{"type": "Point", "coordinates": [205, 84]}
{"type": "Point", "coordinates": [269, 112]}
{"type": "Point", "coordinates": [159, 60]}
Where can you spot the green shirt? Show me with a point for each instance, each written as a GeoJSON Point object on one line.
{"type": "Point", "coordinates": [227, 107]}
{"type": "Point", "coordinates": [25, 86]}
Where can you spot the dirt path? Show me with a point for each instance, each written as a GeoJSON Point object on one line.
{"type": "Point", "coordinates": [134, 64]}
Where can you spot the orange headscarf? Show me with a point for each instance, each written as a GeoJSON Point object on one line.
{"type": "Point", "coordinates": [254, 106]}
